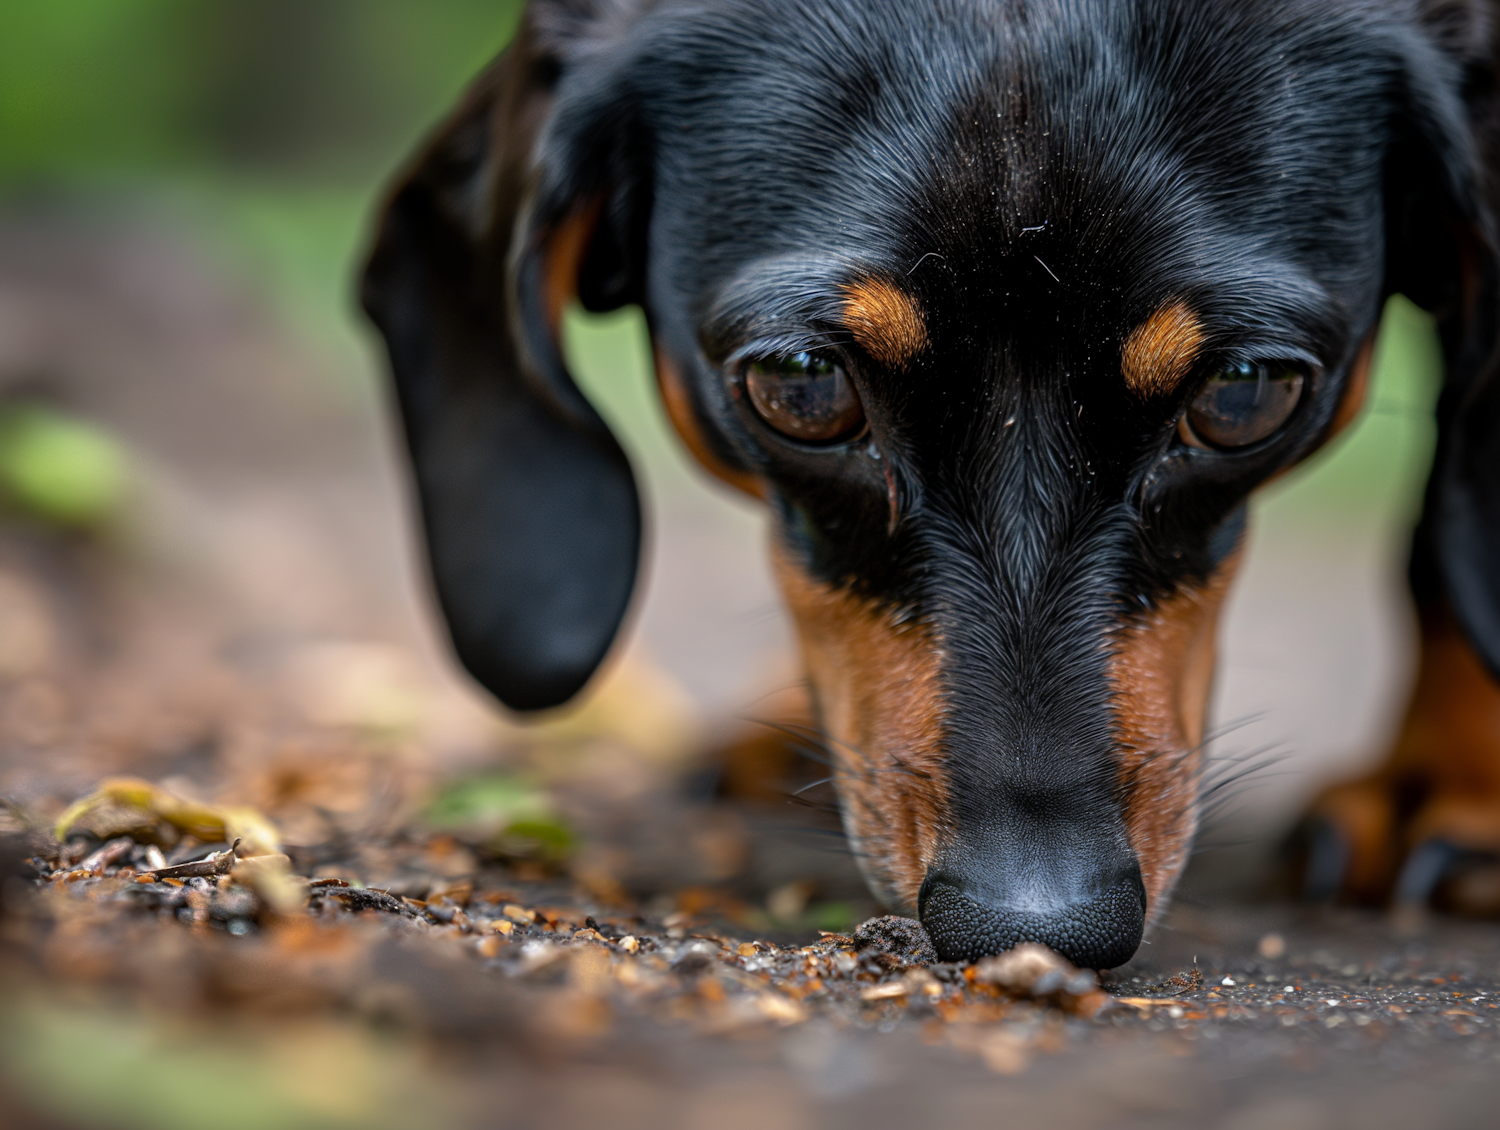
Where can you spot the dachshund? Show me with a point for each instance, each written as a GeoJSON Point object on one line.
{"type": "Point", "coordinates": [1003, 308]}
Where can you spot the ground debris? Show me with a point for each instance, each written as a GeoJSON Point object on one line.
{"type": "Point", "coordinates": [356, 899]}
{"type": "Point", "coordinates": [1034, 972]}
{"type": "Point", "coordinates": [1188, 981]}
{"type": "Point", "coordinates": [570, 969]}
{"type": "Point", "coordinates": [902, 938]}
{"type": "Point", "coordinates": [215, 863]}
{"type": "Point", "coordinates": [537, 963]}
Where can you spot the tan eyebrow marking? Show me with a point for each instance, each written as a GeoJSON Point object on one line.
{"type": "Point", "coordinates": [1161, 350]}
{"type": "Point", "coordinates": [886, 322]}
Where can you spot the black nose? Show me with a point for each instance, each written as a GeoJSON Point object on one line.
{"type": "Point", "coordinates": [1099, 931]}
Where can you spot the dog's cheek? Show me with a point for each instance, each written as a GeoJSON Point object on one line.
{"type": "Point", "coordinates": [1162, 674]}
{"type": "Point", "coordinates": [677, 399]}
{"type": "Point", "coordinates": [876, 688]}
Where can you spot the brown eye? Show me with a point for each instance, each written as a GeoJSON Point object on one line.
{"type": "Point", "coordinates": [1241, 405]}
{"type": "Point", "coordinates": [804, 396]}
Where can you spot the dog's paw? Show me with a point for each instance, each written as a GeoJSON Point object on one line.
{"type": "Point", "coordinates": [1425, 828]}
{"type": "Point", "coordinates": [1405, 840]}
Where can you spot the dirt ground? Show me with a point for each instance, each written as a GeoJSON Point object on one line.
{"type": "Point", "coordinates": [457, 921]}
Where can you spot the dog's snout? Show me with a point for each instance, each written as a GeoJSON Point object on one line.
{"type": "Point", "coordinates": [1096, 927]}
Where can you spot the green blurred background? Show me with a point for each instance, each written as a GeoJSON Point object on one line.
{"type": "Point", "coordinates": [267, 125]}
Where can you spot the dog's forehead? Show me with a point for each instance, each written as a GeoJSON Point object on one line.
{"type": "Point", "coordinates": [969, 147]}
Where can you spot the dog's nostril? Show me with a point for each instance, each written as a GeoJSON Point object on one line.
{"type": "Point", "coordinates": [1099, 932]}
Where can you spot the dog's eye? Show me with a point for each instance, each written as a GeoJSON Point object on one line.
{"type": "Point", "coordinates": [804, 396]}
{"type": "Point", "coordinates": [1241, 405]}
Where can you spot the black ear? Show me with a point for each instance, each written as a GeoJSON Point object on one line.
{"type": "Point", "coordinates": [530, 509]}
{"type": "Point", "coordinates": [1441, 208]}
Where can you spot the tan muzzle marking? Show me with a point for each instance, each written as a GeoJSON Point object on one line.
{"type": "Point", "coordinates": [875, 684]}
{"type": "Point", "coordinates": [1162, 672]}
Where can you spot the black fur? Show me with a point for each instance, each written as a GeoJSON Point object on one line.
{"type": "Point", "coordinates": [1042, 175]}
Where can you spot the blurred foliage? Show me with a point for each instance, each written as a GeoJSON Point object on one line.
{"type": "Point", "coordinates": [111, 1068]}
{"type": "Point", "coordinates": [265, 129]}
{"type": "Point", "coordinates": [58, 469]}
{"type": "Point", "coordinates": [835, 917]}
{"type": "Point", "coordinates": [315, 88]}
{"type": "Point", "coordinates": [517, 819]}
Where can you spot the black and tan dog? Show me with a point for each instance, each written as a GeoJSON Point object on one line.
{"type": "Point", "coordinates": [1003, 307]}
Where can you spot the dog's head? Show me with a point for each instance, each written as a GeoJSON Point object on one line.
{"type": "Point", "coordinates": [1004, 308]}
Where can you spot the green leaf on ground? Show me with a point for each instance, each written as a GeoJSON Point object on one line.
{"type": "Point", "coordinates": [59, 469]}
{"type": "Point", "coordinates": [517, 818]}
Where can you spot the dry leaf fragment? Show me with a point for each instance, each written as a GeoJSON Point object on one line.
{"type": "Point", "coordinates": [128, 806]}
{"type": "Point", "coordinates": [108, 855]}
{"type": "Point", "coordinates": [212, 865]}
{"type": "Point", "coordinates": [774, 1006]}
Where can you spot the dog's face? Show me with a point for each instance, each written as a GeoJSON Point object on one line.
{"type": "Point", "coordinates": [1004, 309]}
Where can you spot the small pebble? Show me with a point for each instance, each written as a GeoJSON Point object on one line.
{"type": "Point", "coordinates": [1272, 947]}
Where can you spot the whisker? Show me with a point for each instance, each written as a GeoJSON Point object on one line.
{"type": "Point", "coordinates": [814, 784]}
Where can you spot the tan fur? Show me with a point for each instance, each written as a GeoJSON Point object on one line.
{"type": "Point", "coordinates": [678, 403]}
{"type": "Point", "coordinates": [876, 687]}
{"type": "Point", "coordinates": [1162, 672]}
{"type": "Point", "coordinates": [1355, 389]}
{"type": "Point", "coordinates": [1161, 351]}
{"type": "Point", "coordinates": [564, 258]}
{"type": "Point", "coordinates": [1446, 761]}
{"type": "Point", "coordinates": [887, 322]}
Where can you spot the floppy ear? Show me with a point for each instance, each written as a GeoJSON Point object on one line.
{"type": "Point", "coordinates": [532, 519]}
{"type": "Point", "coordinates": [1441, 207]}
